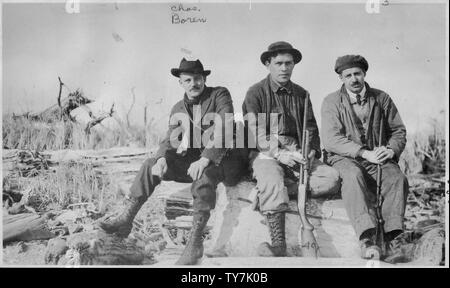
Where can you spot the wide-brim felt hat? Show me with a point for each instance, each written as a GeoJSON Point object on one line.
{"type": "Point", "coordinates": [195, 67]}
{"type": "Point", "coordinates": [278, 47]}
{"type": "Point", "coordinates": [350, 61]}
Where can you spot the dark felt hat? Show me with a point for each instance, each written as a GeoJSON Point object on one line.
{"type": "Point", "coordinates": [350, 61]}
{"type": "Point", "coordinates": [281, 46]}
{"type": "Point", "coordinates": [186, 66]}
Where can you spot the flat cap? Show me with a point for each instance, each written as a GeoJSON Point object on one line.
{"type": "Point", "coordinates": [350, 61]}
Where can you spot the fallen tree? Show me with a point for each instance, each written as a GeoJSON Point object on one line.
{"type": "Point", "coordinates": [25, 227]}
{"type": "Point", "coordinates": [61, 111]}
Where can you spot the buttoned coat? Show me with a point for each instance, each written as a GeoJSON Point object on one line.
{"type": "Point", "coordinates": [339, 132]}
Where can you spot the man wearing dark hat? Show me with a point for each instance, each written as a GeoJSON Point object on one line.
{"type": "Point", "coordinates": [184, 157]}
{"type": "Point", "coordinates": [279, 96]}
{"type": "Point", "coordinates": [351, 119]}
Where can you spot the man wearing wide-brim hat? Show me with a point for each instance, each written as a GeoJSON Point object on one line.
{"type": "Point", "coordinates": [275, 165]}
{"type": "Point", "coordinates": [186, 155]}
{"type": "Point", "coordinates": [351, 119]}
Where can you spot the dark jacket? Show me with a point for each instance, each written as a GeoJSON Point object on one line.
{"type": "Point", "coordinates": [215, 100]}
{"type": "Point", "coordinates": [260, 99]}
{"type": "Point", "coordinates": [342, 138]}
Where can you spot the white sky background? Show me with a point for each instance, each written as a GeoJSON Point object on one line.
{"type": "Point", "coordinates": [404, 45]}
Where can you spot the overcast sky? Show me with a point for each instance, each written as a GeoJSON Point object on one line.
{"type": "Point", "coordinates": [107, 49]}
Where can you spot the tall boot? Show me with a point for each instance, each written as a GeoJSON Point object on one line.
{"type": "Point", "coordinates": [194, 248]}
{"type": "Point", "coordinates": [122, 224]}
{"type": "Point", "coordinates": [276, 223]}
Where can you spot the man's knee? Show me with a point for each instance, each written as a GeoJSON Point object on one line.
{"type": "Point", "coordinates": [269, 176]}
{"type": "Point", "coordinates": [353, 181]}
{"type": "Point", "coordinates": [325, 182]}
{"type": "Point", "coordinates": [267, 169]}
{"type": "Point", "coordinates": [396, 179]}
{"type": "Point", "coordinates": [324, 179]}
{"type": "Point", "coordinates": [210, 177]}
{"type": "Point", "coordinates": [349, 171]}
{"type": "Point", "coordinates": [144, 182]}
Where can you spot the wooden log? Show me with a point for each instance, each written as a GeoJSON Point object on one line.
{"type": "Point", "coordinates": [177, 198]}
{"type": "Point", "coordinates": [25, 227]}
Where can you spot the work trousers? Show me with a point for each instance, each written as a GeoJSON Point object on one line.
{"type": "Point", "coordinates": [272, 177]}
{"type": "Point", "coordinates": [359, 193]}
{"type": "Point", "coordinates": [203, 190]}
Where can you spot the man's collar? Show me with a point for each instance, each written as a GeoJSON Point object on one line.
{"type": "Point", "coordinates": [353, 95]}
{"type": "Point", "coordinates": [276, 87]}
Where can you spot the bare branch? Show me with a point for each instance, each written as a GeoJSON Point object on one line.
{"type": "Point", "coordinates": [97, 120]}
{"type": "Point", "coordinates": [131, 107]}
{"type": "Point", "coordinates": [145, 115]}
{"type": "Point", "coordinates": [60, 89]}
{"type": "Point", "coordinates": [59, 96]}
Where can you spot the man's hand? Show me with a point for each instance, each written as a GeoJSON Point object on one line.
{"type": "Point", "coordinates": [160, 167]}
{"type": "Point", "coordinates": [196, 168]}
{"type": "Point", "coordinates": [379, 155]}
{"type": "Point", "coordinates": [290, 158]}
{"type": "Point", "coordinates": [384, 153]}
{"type": "Point", "coordinates": [370, 156]}
{"type": "Point", "coordinates": [311, 156]}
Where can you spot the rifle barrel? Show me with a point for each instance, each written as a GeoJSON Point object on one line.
{"type": "Point", "coordinates": [378, 210]}
{"type": "Point", "coordinates": [305, 121]}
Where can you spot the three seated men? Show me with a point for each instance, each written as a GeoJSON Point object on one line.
{"type": "Point", "coordinates": [350, 118]}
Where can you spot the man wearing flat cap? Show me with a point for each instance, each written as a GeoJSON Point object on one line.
{"type": "Point", "coordinates": [276, 166]}
{"type": "Point", "coordinates": [183, 156]}
{"type": "Point", "coordinates": [351, 119]}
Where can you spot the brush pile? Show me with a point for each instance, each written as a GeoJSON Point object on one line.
{"type": "Point", "coordinates": [423, 241]}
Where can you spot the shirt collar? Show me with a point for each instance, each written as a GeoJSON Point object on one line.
{"type": "Point", "coordinates": [277, 87]}
{"type": "Point", "coordinates": [353, 95]}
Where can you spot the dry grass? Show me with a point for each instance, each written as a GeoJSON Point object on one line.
{"type": "Point", "coordinates": [71, 183]}
{"type": "Point", "coordinates": [425, 151]}
{"type": "Point", "coordinates": [68, 183]}
{"type": "Point", "coordinates": [24, 133]}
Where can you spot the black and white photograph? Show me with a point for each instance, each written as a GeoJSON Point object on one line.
{"type": "Point", "coordinates": [225, 134]}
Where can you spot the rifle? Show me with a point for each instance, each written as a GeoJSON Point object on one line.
{"type": "Point", "coordinates": [309, 243]}
{"type": "Point", "coordinates": [379, 234]}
